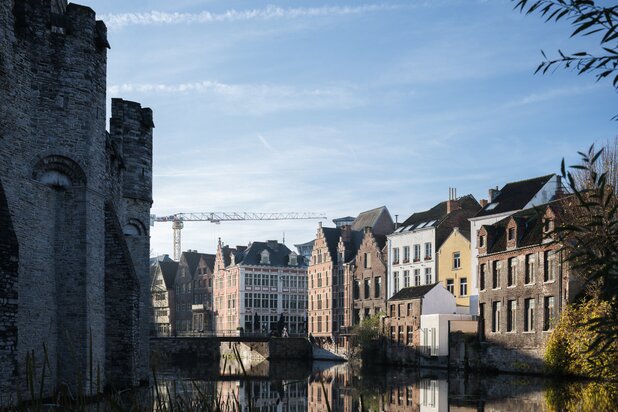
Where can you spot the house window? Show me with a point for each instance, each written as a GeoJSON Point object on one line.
{"type": "Point", "coordinates": [406, 278]}
{"type": "Point", "coordinates": [406, 254]}
{"type": "Point", "coordinates": [529, 268]}
{"type": "Point", "coordinates": [409, 335]}
{"type": "Point", "coordinates": [409, 312]}
{"type": "Point", "coordinates": [450, 285]}
{"type": "Point", "coordinates": [378, 287]}
{"type": "Point", "coordinates": [417, 277]}
{"type": "Point", "coordinates": [549, 313]}
{"type": "Point", "coordinates": [529, 315]}
{"type": "Point", "coordinates": [367, 260]}
{"type": "Point", "coordinates": [319, 279]}
{"type": "Point", "coordinates": [495, 318]}
{"type": "Point", "coordinates": [511, 233]}
{"type": "Point", "coordinates": [511, 315]}
{"type": "Point", "coordinates": [319, 324]}
{"type": "Point", "coordinates": [395, 255]}
{"type": "Point", "coordinates": [428, 251]}
{"type": "Point", "coordinates": [456, 260]}
{"type": "Point", "coordinates": [428, 279]}
{"type": "Point", "coordinates": [400, 335]}
{"type": "Point", "coordinates": [417, 252]}
{"type": "Point", "coordinates": [549, 268]}
{"type": "Point", "coordinates": [395, 282]}
{"type": "Point", "coordinates": [367, 288]}
{"type": "Point", "coordinates": [512, 272]}
{"type": "Point", "coordinates": [392, 311]}
{"type": "Point", "coordinates": [481, 241]}
{"type": "Point", "coordinates": [482, 275]}
{"type": "Point", "coordinates": [496, 274]}
{"type": "Point", "coordinates": [319, 301]}
{"type": "Point", "coordinates": [463, 287]}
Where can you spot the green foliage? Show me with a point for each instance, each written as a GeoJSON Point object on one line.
{"type": "Point", "coordinates": [368, 331]}
{"type": "Point", "coordinates": [587, 18]}
{"type": "Point", "coordinates": [582, 396]}
{"type": "Point", "coordinates": [569, 347]}
{"type": "Point", "coordinates": [589, 236]}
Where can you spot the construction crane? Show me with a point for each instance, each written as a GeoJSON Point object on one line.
{"type": "Point", "coordinates": [178, 220]}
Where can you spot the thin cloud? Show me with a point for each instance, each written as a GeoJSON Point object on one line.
{"type": "Point", "coordinates": [549, 95]}
{"type": "Point", "coordinates": [117, 21]}
{"type": "Point", "coordinates": [267, 145]}
{"type": "Point", "coordinates": [252, 99]}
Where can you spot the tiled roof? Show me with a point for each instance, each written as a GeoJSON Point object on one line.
{"type": "Point", "coordinates": [368, 218]}
{"type": "Point", "coordinates": [529, 227]}
{"type": "Point", "coordinates": [192, 259]}
{"type": "Point", "coordinates": [414, 292]}
{"type": "Point", "coordinates": [515, 195]}
{"type": "Point", "coordinates": [210, 261]}
{"type": "Point", "coordinates": [279, 254]}
{"type": "Point", "coordinates": [331, 236]}
{"type": "Point", "coordinates": [168, 270]}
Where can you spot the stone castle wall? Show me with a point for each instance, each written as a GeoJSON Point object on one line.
{"type": "Point", "coordinates": [59, 169]}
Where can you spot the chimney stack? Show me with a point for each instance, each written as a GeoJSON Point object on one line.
{"type": "Point", "coordinates": [452, 203]}
{"type": "Point", "coordinates": [483, 202]}
{"type": "Point", "coordinates": [346, 233]}
{"type": "Point", "coordinates": [493, 193]}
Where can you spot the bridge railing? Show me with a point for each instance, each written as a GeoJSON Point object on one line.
{"type": "Point", "coordinates": [228, 334]}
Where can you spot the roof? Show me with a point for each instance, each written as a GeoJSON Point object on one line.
{"type": "Point", "coordinates": [279, 254]}
{"type": "Point", "coordinates": [210, 261]}
{"type": "Point", "coordinates": [444, 222]}
{"type": "Point", "coordinates": [168, 271]}
{"type": "Point", "coordinates": [192, 260]}
{"type": "Point", "coordinates": [515, 195]}
{"type": "Point", "coordinates": [529, 228]}
{"type": "Point", "coordinates": [368, 218]}
{"type": "Point", "coordinates": [414, 292]}
{"type": "Point", "coordinates": [331, 236]}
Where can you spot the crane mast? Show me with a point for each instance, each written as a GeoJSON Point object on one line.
{"type": "Point", "coordinates": [178, 220]}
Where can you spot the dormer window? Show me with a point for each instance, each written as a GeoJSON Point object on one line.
{"type": "Point", "coordinates": [548, 225]}
{"type": "Point", "coordinates": [265, 258]}
{"type": "Point", "coordinates": [511, 233]}
{"type": "Point", "coordinates": [481, 241]}
{"type": "Point", "coordinates": [293, 259]}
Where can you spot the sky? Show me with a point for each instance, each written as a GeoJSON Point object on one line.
{"type": "Point", "coordinates": [336, 107]}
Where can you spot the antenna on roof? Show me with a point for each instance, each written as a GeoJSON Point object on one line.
{"type": "Point", "coordinates": [283, 242]}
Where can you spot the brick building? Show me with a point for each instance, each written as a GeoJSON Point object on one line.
{"type": "Point", "coordinates": [504, 202]}
{"type": "Point", "coordinates": [331, 271]}
{"type": "Point", "coordinates": [524, 281]}
{"type": "Point", "coordinates": [405, 309]}
{"type": "Point", "coordinates": [368, 278]}
{"type": "Point", "coordinates": [75, 211]}
{"type": "Point", "coordinates": [255, 286]}
{"type": "Point", "coordinates": [162, 296]}
{"type": "Point", "coordinates": [193, 297]}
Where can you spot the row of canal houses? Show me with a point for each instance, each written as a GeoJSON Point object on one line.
{"type": "Point", "coordinates": [488, 267]}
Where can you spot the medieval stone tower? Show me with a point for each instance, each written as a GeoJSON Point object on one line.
{"type": "Point", "coordinates": [74, 204]}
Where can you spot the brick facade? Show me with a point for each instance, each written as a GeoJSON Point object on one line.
{"type": "Point", "coordinates": [524, 281]}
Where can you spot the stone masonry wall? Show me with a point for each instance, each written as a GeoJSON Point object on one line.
{"type": "Point", "coordinates": [9, 255]}
{"type": "Point", "coordinates": [58, 168]}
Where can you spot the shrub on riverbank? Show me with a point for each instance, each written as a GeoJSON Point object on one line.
{"type": "Point", "coordinates": [582, 396]}
{"type": "Point", "coordinates": [569, 349]}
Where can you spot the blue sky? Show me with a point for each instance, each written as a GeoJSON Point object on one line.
{"type": "Point", "coordinates": [338, 107]}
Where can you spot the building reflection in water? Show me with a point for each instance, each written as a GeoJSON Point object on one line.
{"type": "Point", "coordinates": [340, 388]}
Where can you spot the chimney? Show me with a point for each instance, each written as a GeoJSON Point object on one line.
{"type": "Point", "coordinates": [483, 202]}
{"type": "Point", "coordinates": [452, 204]}
{"type": "Point", "coordinates": [493, 193]}
{"type": "Point", "coordinates": [272, 244]}
{"type": "Point", "coordinates": [559, 187]}
{"type": "Point", "coordinates": [346, 233]}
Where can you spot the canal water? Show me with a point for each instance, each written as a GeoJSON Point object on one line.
{"type": "Point", "coordinates": [320, 387]}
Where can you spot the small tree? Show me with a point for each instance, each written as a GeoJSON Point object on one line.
{"type": "Point", "coordinates": [589, 236]}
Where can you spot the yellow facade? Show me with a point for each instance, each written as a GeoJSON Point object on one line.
{"type": "Point", "coordinates": [454, 266]}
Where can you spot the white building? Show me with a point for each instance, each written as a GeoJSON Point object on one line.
{"type": "Point", "coordinates": [512, 198]}
{"type": "Point", "coordinates": [412, 247]}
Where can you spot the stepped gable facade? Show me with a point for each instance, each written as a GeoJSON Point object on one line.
{"type": "Point", "coordinates": [75, 205]}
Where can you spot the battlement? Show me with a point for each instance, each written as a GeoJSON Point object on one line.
{"type": "Point", "coordinates": [131, 128]}
{"type": "Point", "coordinates": [33, 21]}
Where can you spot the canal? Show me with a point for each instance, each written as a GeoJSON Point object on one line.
{"type": "Point", "coordinates": [320, 387]}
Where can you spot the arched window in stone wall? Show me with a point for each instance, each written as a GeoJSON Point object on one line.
{"type": "Point", "coordinates": [59, 172]}
{"type": "Point", "coordinates": [135, 228]}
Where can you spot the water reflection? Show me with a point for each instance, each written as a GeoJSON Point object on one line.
{"type": "Point", "coordinates": [321, 387]}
